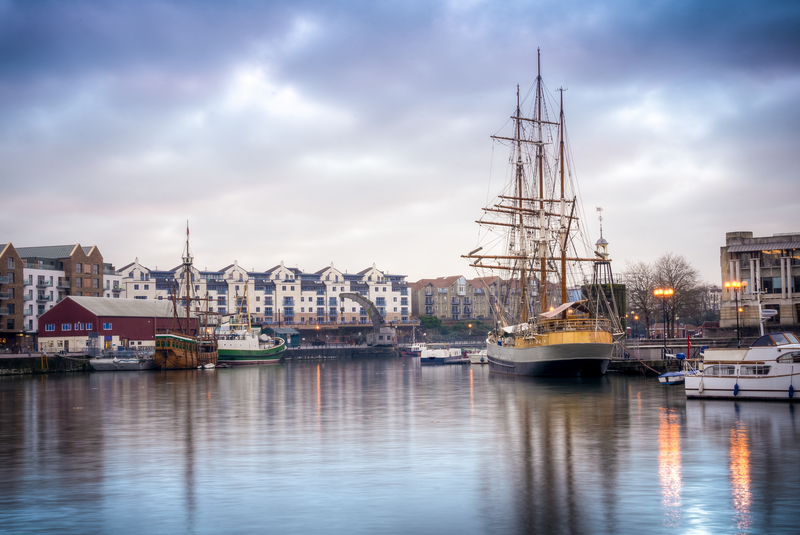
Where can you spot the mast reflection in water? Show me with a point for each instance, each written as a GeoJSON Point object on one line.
{"type": "Point", "coordinates": [387, 446]}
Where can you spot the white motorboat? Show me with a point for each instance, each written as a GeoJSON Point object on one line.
{"type": "Point", "coordinates": [765, 370]}
{"type": "Point", "coordinates": [126, 363]}
{"type": "Point", "coordinates": [478, 357]}
{"type": "Point", "coordinates": [442, 354]}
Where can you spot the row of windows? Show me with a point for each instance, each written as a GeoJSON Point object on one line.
{"type": "Point", "coordinates": [78, 326]}
{"type": "Point", "coordinates": [94, 269]}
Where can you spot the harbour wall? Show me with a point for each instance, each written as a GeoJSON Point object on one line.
{"type": "Point", "coordinates": [23, 364]}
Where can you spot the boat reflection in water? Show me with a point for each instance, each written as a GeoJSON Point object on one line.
{"type": "Point", "coordinates": [669, 465]}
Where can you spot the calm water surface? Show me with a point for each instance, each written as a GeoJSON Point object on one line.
{"type": "Point", "coordinates": [387, 446]}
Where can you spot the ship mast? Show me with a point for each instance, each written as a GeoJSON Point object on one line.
{"type": "Point", "coordinates": [563, 227]}
{"type": "Point", "coordinates": [522, 237]}
{"type": "Point", "coordinates": [187, 268]}
{"type": "Point", "coordinates": [540, 157]}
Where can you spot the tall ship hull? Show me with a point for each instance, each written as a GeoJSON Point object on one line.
{"type": "Point", "coordinates": [182, 352]}
{"type": "Point", "coordinates": [566, 359]}
{"type": "Point", "coordinates": [240, 352]}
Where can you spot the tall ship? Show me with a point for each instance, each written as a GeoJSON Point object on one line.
{"type": "Point", "coordinates": [553, 298]}
{"type": "Point", "coordinates": [239, 344]}
{"type": "Point", "coordinates": [188, 344]}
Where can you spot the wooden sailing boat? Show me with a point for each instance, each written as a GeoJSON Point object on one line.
{"type": "Point", "coordinates": [179, 349]}
{"type": "Point", "coordinates": [541, 329]}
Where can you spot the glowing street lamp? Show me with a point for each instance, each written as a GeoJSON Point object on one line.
{"type": "Point", "coordinates": [736, 287]}
{"type": "Point", "coordinates": [664, 294]}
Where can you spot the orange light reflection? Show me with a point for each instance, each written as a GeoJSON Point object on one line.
{"type": "Point", "coordinates": [669, 466]}
{"type": "Point", "coordinates": [740, 476]}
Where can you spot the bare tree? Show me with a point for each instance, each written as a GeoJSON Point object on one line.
{"type": "Point", "coordinates": [640, 281]}
{"type": "Point", "coordinates": [675, 272]}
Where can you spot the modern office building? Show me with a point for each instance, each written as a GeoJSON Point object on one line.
{"type": "Point", "coordinates": [766, 266]}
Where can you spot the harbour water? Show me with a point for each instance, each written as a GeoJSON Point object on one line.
{"type": "Point", "coordinates": [381, 445]}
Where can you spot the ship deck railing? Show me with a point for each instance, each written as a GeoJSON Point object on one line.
{"type": "Point", "coordinates": [575, 324]}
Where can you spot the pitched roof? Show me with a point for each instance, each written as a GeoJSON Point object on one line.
{"type": "Point", "coordinates": [131, 308]}
{"type": "Point", "coordinates": [49, 251]}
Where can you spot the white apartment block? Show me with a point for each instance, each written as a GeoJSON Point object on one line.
{"type": "Point", "coordinates": [280, 295]}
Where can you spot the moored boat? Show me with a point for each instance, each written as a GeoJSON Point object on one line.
{"type": "Point", "coordinates": [179, 348]}
{"type": "Point", "coordinates": [239, 344]}
{"type": "Point", "coordinates": [122, 363]}
{"type": "Point", "coordinates": [765, 370]}
{"type": "Point", "coordinates": [549, 320]}
{"type": "Point", "coordinates": [478, 357]}
{"type": "Point", "coordinates": [442, 354]}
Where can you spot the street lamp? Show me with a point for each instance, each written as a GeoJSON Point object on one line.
{"type": "Point", "coordinates": [470, 328]}
{"type": "Point", "coordinates": [664, 294]}
{"type": "Point", "coordinates": [736, 287]}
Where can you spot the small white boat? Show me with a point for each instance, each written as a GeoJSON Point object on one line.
{"type": "Point", "coordinates": [478, 357]}
{"type": "Point", "coordinates": [209, 366]}
{"type": "Point", "coordinates": [113, 364]}
{"type": "Point", "coordinates": [414, 350]}
{"type": "Point", "coordinates": [677, 377]}
{"type": "Point", "coordinates": [442, 354]}
{"type": "Point", "coordinates": [765, 370]}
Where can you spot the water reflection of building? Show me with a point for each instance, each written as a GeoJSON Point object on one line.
{"type": "Point", "coordinates": [669, 465]}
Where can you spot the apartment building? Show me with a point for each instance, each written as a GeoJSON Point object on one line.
{"type": "Point", "coordinates": [767, 266]}
{"type": "Point", "coordinates": [279, 295]}
{"type": "Point", "coordinates": [52, 272]}
{"type": "Point", "coordinates": [454, 298]}
{"type": "Point", "coordinates": [12, 335]}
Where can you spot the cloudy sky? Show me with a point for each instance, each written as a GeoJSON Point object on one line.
{"type": "Point", "coordinates": [357, 132]}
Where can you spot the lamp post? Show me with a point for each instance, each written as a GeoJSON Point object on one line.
{"type": "Point", "coordinates": [736, 287]}
{"type": "Point", "coordinates": [664, 294]}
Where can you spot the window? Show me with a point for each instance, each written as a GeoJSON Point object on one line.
{"type": "Point", "coordinates": [89, 326]}
{"type": "Point", "coordinates": [95, 283]}
{"type": "Point", "coordinates": [283, 288]}
{"type": "Point", "coordinates": [95, 269]}
{"type": "Point", "coordinates": [756, 369]}
{"type": "Point", "coordinates": [87, 269]}
{"type": "Point", "coordinates": [147, 287]}
{"type": "Point", "coordinates": [77, 326]}
{"type": "Point", "coordinates": [10, 263]}
{"type": "Point", "coordinates": [78, 268]}
{"type": "Point", "coordinates": [291, 288]}
{"type": "Point", "coordinates": [135, 286]}
{"type": "Point", "coordinates": [258, 309]}
{"type": "Point", "coordinates": [78, 282]}
{"type": "Point", "coordinates": [10, 278]}
{"type": "Point", "coordinates": [140, 297]}
{"type": "Point", "coordinates": [106, 326]}
{"type": "Point", "coordinates": [720, 370]}
{"type": "Point", "coordinates": [50, 327]}
{"type": "Point", "coordinates": [66, 327]}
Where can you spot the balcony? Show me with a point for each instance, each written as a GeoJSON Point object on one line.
{"type": "Point", "coordinates": [63, 284]}
{"type": "Point", "coordinates": [5, 295]}
{"type": "Point", "coordinates": [28, 282]}
{"type": "Point", "coordinates": [4, 279]}
{"type": "Point", "coordinates": [43, 298]}
{"type": "Point", "coordinates": [27, 297]}
{"type": "Point", "coordinates": [28, 312]}
{"type": "Point", "coordinates": [429, 300]}
{"type": "Point", "coordinates": [4, 311]}
{"type": "Point", "coordinates": [116, 288]}
{"type": "Point", "coordinates": [42, 283]}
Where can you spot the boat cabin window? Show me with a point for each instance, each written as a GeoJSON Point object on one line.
{"type": "Point", "coordinates": [790, 357]}
{"type": "Point", "coordinates": [764, 341]}
{"type": "Point", "coordinates": [776, 339]}
{"type": "Point", "coordinates": [720, 369]}
{"type": "Point", "coordinates": [754, 369]}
